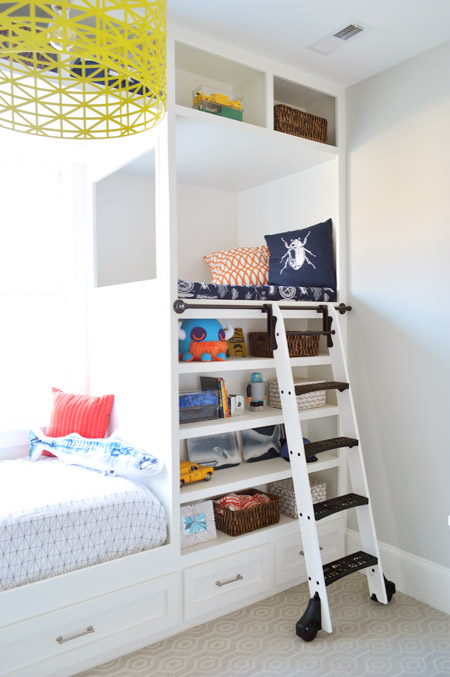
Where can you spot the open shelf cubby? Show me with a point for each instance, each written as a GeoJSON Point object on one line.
{"type": "Point", "coordinates": [196, 67]}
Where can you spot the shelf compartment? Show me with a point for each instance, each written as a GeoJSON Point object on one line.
{"type": "Point", "coordinates": [270, 416]}
{"type": "Point", "coordinates": [197, 67]}
{"type": "Point", "coordinates": [308, 100]}
{"type": "Point", "coordinates": [247, 475]}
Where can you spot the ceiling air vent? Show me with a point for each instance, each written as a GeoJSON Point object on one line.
{"type": "Point", "coordinates": [348, 32]}
{"type": "Point", "coordinates": [340, 37]}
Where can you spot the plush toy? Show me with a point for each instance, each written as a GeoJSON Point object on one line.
{"type": "Point", "coordinates": [256, 392]}
{"type": "Point", "coordinates": [110, 455]}
{"type": "Point", "coordinates": [203, 340]}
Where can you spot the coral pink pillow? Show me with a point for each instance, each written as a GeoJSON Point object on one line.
{"type": "Point", "coordinates": [83, 414]}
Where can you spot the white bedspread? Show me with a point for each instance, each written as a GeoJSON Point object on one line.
{"type": "Point", "coordinates": [56, 518]}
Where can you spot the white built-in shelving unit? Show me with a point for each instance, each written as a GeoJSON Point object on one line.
{"type": "Point", "coordinates": [274, 182]}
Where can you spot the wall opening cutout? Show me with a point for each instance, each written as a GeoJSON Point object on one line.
{"type": "Point", "coordinates": [125, 224]}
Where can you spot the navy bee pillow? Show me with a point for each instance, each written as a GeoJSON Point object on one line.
{"type": "Point", "coordinates": [302, 258]}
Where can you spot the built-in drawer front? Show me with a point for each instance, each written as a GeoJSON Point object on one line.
{"type": "Point", "coordinates": [138, 609]}
{"type": "Point", "coordinates": [289, 557]}
{"type": "Point", "coordinates": [222, 582]}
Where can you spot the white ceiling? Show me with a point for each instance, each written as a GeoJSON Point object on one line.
{"type": "Point", "coordinates": [284, 30]}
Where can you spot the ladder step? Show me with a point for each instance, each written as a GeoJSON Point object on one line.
{"type": "Point", "coordinates": [347, 565]}
{"type": "Point", "coordinates": [313, 448]}
{"type": "Point", "coordinates": [327, 385]}
{"type": "Point", "coordinates": [332, 505]}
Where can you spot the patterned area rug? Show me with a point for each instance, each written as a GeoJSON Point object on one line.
{"type": "Point", "coordinates": [404, 638]}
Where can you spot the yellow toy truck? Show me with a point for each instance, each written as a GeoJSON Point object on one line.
{"type": "Point", "coordinates": [193, 472]}
{"type": "Point", "coordinates": [217, 103]}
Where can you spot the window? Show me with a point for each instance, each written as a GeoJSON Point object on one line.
{"type": "Point", "coordinates": [33, 259]}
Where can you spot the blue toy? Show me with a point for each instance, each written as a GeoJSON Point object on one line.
{"type": "Point", "coordinates": [203, 340]}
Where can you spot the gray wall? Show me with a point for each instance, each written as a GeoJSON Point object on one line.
{"type": "Point", "coordinates": [398, 128]}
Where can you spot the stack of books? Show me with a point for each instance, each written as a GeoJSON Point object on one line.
{"type": "Point", "coordinates": [217, 383]}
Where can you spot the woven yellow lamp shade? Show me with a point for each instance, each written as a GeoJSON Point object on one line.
{"type": "Point", "coordinates": [82, 69]}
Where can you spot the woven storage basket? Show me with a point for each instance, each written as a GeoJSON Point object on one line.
{"type": "Point", "coordinates": [285, 490]}
{"type": "Point", "coordinates": [298, 123]}
{"type": "Point", "coordinates": [237, 522]}
{"type": "Point", "coordinates": [299, 346]}
{"type": "Point", "coordinates": [306, 401]}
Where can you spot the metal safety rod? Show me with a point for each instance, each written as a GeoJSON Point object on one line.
{"type": "Point", "coordinates": [181, 306]}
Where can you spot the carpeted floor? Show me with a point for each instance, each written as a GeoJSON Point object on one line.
{"type": "Point", "coordinates": [404, 638]}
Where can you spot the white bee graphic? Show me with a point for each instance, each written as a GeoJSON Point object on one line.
{"type": "Point", "coordinates": [296, 254]}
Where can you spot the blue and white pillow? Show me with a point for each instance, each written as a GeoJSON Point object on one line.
{"type": "Point", "coordinates": [110, 455]}
{"type": "Point", "coordinates": [303, 258]}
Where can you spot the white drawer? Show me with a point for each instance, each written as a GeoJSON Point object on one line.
{"type": "Point", "coordinates": [133, 612]}
{"type": "Point", "coordinates": [289, 560]}
{"type": "Point", "coordinates": [227, 580]}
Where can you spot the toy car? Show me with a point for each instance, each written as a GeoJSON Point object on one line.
{"type": "Point", "coordinates": [192, 472]}
{"type": "Point", "coordinates": [217, 103]}
{"type": "Point", "coordinates": [217, 98]}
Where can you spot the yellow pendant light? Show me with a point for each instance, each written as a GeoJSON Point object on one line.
{"type": "Point", "coordinates": [82, 69]}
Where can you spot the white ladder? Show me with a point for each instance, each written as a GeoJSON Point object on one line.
{"type": "Point", "coordinates": [317, 614]}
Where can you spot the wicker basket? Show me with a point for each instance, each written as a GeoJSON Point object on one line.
{"type": "Point", "coordinates": [298, 123]}
{"type": "Point", "coordinates": [299, 346]}
{"type": "Point", "coordinates": [237, 522]}
{"type": "Point", "coordinates": [306, 401]}
{"type": "Point", "coordinates": [285, 490]}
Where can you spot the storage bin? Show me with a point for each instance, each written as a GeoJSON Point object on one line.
{"type": "Point", "coordinates": [298, 123]}
{"type": "Point", "coordinates": [306, 401]}
{"type": "Point", "coordinates": [298, 346]}
{"type": "Point", "coordinates": [198, 406]}
{"type": "Point", "coordinates": [285, 490]}
{"type": "Point", "coordinates": [237, 522]}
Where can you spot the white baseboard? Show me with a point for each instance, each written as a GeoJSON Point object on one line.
{"type": "Point", "coordinates": [419, 578]}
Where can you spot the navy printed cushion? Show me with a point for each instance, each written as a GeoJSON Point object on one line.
{"type": "Point", "coordinates": [302, 258]}
{"type": "Point", "coordinates": [265, 292]}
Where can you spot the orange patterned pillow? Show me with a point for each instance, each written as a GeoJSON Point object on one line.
{"type": "Point", "coordinates": [242, 265]}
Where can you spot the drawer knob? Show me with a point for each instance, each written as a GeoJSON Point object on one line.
{"type": "Point", "coordinates": [231, 580]}
{"type": "Point", "coordinates": [88, 631]}
{"type": "Point", "coordinates": [300, 552]}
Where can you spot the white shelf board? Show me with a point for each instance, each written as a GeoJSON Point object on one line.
{"type": "Point", "coordinates": [247, 475]}
{"type": "Point", "coordinates": [248, 363]}
{"type": "Point", "coordinates": [285, 526]}
{"type": "Point", "coordinates": [217, 152]}
{"type": "Point", "coordinates": [225, 545]}
{"type": "Point", "coordinates": [248, 420]}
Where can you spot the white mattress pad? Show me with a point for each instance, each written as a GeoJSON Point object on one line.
{"type": "Point", "coordinates": [56, 518]}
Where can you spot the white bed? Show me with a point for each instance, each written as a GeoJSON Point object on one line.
{"type": "Point", "coordinates": [56, 518]}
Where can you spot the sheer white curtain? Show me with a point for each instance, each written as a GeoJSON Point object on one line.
{"type": "Point", "coordinates": [34, 255]}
